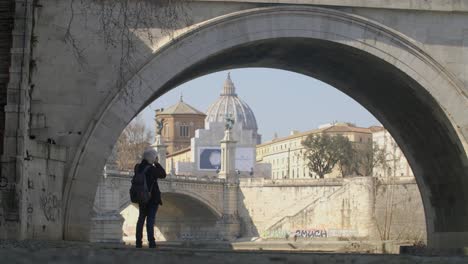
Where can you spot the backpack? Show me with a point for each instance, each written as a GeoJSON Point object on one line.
{"type": "Point", "coordinates": [139, 192]}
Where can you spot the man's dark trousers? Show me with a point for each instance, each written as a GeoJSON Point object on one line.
{"type": "Point", "coordinates": [147, 211]}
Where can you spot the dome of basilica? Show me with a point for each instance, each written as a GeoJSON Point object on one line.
{"type": "Point", "coordinates": [231, 105]}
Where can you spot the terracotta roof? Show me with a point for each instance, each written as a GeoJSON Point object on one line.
{"type": "Point", "coordinates": [300, 134]}
{"type": "Point", "coordinates": [341, 128]}
{"type": "Point", "coordinates": [333, 128]}
{"type": "Point", "coordinates": [180, 108]}
{"type": "Point", "coordinates": [376, 128]}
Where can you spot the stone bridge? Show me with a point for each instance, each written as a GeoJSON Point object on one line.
{"type": "Point", "coordinates": [112, 198]}
{"type": "Point", "coordinates": [208, 192]}
{"type": "Point", "coordinates": [66, 96]}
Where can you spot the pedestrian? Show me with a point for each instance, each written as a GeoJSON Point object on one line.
{"type": "Point", "coordinates": [154, 171]}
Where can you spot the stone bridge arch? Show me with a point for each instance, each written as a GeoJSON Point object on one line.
{"type": "Point", "coordinates": [207, 194]}
{"type": "Point", "coordinates": [422, 105]}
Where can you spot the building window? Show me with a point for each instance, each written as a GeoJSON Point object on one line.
{"type": "Point", "coordinates": [166, 130]}
{"type": "Point", "coordinates": [184, 130]}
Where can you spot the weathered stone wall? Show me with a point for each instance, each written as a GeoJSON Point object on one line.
{"type": "Point", "coordinates": [6, 27]}
{"type": "Point", "coordinates": [346, 208]}
{"type": "Point", "coordinates": [399, 212]}
{"type": "Point", "coordinates": [345, 213]}
{"type": "Point", "coordinates": [61, 107]}
{"type": "Point", "coordinates": [285, 206]}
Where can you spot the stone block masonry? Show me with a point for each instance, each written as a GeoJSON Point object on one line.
{"type": "Point", "coordinates": [6, 27]}
{"type": "Point", "coordinates": [350, 208]}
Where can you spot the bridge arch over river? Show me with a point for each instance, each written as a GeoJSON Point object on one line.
{"type": "Point", "coordinates": [410, 90]}
{"type": "Point", "coordinates": [419, 102]}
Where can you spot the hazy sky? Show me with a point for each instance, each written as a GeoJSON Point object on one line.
{"type": "Point", "coordinates": [281, 101]}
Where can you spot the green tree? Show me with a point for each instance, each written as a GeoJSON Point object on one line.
{"type": "Point", "coordinates": [348, 162]}
{"type": "Point", "coordinates": [324, 152]}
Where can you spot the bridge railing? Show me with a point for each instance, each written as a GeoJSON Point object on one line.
{"type": "Point", "coordinates": [193, 178]}
{"type": "Point", "coordinates": [291, 182]}
{"type": "Point", "coordinates": [170, 177]}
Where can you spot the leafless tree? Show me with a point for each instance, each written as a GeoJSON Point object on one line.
{"type": "Point", "coordinates": [370, 156]}
{"type": "Point", "coordinates": [131, 144]}
{"type": "Point", "coordinates": [397, 217]}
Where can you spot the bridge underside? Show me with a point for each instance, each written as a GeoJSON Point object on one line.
{"type": "Point", "coordinates": [179, 218]}
{"type": "Point", "coordinates": [383, 72]}
{"type": "Point", "coordinates": [410, 113]}
{"type": "Point", "coordinates": [401, 104]}
{"type": "Point", "coordinates": [420, 102]}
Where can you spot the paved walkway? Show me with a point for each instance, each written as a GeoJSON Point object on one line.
{"type": "Point", "coordinates": [58, 252]}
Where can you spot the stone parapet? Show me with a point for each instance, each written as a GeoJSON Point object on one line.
{"type": "Point", "coordinates": [435, 5]}
{"type": "Point", "coordinates": [254, 182]}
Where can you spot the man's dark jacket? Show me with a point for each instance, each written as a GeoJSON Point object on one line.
{"type": "Point", "coordinates": [153, 173]}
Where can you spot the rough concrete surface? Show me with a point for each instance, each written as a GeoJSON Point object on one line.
{"type": "Point", "coordinates": [79, 252]}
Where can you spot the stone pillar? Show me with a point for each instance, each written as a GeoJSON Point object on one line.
{"type": "Point", "coordinates": [228, 157]}
{"type": "Point", "coordinates": [106, 221]}
{"type": "Point", "coordinates": [171, 167]}
{"type": "Point", "coordinates": [161, 148]}
{"type": "Point", "coordinates": [229, 223]}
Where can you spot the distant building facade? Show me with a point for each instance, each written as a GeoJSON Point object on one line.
{"type": "Point", "coordinates": [179, 124]}
{"type": "Point", "coordinates": [286, 155]}
{"type": "Point", "coordinates": [395, 163]}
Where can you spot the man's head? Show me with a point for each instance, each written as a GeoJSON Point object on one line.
{"type": "Point", "coordinates": [150, 155]}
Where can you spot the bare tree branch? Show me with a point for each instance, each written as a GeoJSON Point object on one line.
{"type": "Point", "coordinates": [119, 20]}
{"type": "Point", "coordinates": [131, 144]}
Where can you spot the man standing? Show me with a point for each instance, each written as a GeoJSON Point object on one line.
{"type": "Point", "coordinates": [154, 171]}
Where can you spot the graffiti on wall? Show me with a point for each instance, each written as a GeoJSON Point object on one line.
{"type": "Point", "coordinates": [309, 233]}
{"type": "Point", "coordinates": [50, 206]}
{"type": "Point", "coordinates": [304, 233]}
